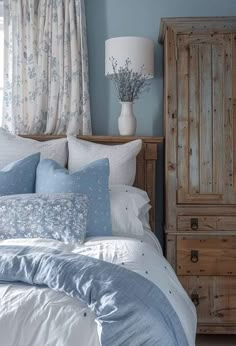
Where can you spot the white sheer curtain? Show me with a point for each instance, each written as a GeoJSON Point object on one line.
{"type": "Point", "coordinates": [46, 67]}
{"type": "Point", "coordinates": [1, 59]}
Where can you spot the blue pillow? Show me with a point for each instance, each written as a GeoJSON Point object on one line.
{"type": "Point", "coordinates": [19, 177]}
{"type": "Point", "coordinates": [56, 216]}
{"type": "Point", "coordinates": [91, 180]}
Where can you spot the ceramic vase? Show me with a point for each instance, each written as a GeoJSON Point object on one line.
{"type": "Point", "coordinates": [127, 121]}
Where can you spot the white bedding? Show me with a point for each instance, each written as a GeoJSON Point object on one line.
{"type": "Point", "coordinates": [33, 316]}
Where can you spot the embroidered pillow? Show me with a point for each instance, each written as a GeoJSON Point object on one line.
{"type": "Point", "coordinates": [91, 180]}
{"type": "Point", "coordinates": [16, 148]}
{"type": "Point", "coordinates": [19, 177]}
{"type": "Point", "coordinates": [53, 216]}
{"type": "Point", "coordinates": [122, 158]}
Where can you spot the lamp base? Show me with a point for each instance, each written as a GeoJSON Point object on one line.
{"type": "Point", "coordinates": [127, 121]}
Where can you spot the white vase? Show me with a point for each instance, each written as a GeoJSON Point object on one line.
{"type": "Point", "coordinates": [127, 120]}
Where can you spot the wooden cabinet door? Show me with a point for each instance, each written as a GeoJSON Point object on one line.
{"type": "Point", "coordinates": [206, 72]}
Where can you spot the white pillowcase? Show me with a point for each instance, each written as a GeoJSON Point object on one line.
{"type": "Point", "coordinates": [122, 158]}
{"type": "Point", "coordinates": [129, 211]}
{"type": "Point", "coordinates": [13, 148]}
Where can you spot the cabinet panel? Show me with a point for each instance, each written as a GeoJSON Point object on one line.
{"type": "Point", "coordinates": [215, 298]}
{"type": "Point", "coordinates": [196, 223]}
{"type": "Point", "coordinates": [206, 255]}
{"type": "Point", "coordinates": [205, 119]}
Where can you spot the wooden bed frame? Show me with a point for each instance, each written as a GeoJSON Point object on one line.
{"type": "Point", "coordinates": [146, 161]}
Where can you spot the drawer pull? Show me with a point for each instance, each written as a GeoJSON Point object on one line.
{"type": "Point", "coordinates": [194, 256]}
{"type": "Point", "coordinates": [194, 224]}
{"type": "Point", "coordinates": [195, 299]}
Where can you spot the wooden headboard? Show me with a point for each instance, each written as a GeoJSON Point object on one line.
{"type": "Point", "coordinates": [146, 161]}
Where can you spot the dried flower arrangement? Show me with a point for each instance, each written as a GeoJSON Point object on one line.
{"type": "Point", "coordinates": [129, 85]}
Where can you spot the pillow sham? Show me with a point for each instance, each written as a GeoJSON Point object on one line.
{"type": "Point", "coordinates": [19, 177]}
{"type": "Point", "coordinates": [56, 216]}
{"type": "Point", "coordinates": [15, 148]}
{"type": "Point", "coordinates": [91, 180]}
{"type": "Point", "coordinates": [129, 211]}
{"type": "Point", "coordinates": [122, 158]}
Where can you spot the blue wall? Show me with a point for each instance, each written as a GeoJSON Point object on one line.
{"type": "Point", "coordinates": [111, 18]}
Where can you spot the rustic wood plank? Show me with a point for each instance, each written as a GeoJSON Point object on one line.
{"type": "Point", "coordinates": [100, 139]}
{"type": "Point", "coordinates": [199, 209]}
{"type": "Point", "coordinates": [170, 105]}
{"type": "Point", "coordinates": [228, 124]}
{"type": "Point", "coordinates": [204, 223]}
{"type": "Point", "coordinates": [216, 255]}
{"type": "Point", "coordinates": [205, 62]}
{"type": "Point", "coordinates": [171, 250]}
{"type": "Point", "coordinates": [194, 103]}
{"type": "Point", "coordinates": [226, 223]}
{"type": "Point", "coordinates": [218, 110]}
{"type": "Point", "coordinates": [183, 120]}
{"type": "Point", "coordinates": [150, 178]}
{"type": "Point", "coordinates": [213, 328]}
{"type": "Point", "coordinates": [192, 40]}
{"type": "Point", "coordinates": [196, 25]}
{"type": "Point", "coordinates": [217, 298]}
{"type": "Point", "coordinates": [234, 110]}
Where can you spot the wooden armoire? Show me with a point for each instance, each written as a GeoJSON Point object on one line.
{"type": "Point", "coordinates": [200, 163]}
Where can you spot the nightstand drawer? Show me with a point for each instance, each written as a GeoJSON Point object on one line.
{"type": "Point", "coordinates": [214, 297]}
{"type": "Point", "coordinates": [206, 255]}
{"type": "Point", "coordinates": [196, 223]}
{"type": "Point", "coordinates": [206, 223]}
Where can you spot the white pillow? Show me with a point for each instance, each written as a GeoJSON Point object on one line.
{"type": "Point", "coordinates": [129, 211]}
{"type": "Point", "coordinates": [122, 158]}
{"type": "Point", "coordinates": [13, 148]}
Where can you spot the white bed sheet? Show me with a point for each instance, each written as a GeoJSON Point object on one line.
{"type": "Point", "coordinates": [34, 316]}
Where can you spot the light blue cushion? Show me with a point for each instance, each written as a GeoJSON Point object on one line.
{"type": "Point", "coordinates": [56, 216]}
{"type": "Point", "coordinates": [91, 180]}
{"type": "Point", "coordinates": [19, 177]}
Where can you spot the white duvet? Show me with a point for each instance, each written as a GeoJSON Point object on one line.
{"type": "Point", "coordinates": [34, 316]}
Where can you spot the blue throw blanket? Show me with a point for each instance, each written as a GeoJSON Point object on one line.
{"type": "Point", "coordinates": [130, 309]}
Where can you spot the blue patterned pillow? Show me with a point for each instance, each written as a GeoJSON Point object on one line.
{"type": "Point", "coordinates": [19, 177]}
{"type": "Point", "coordinates": [91, 180]}
{"type": "Point", "coordinates": [56, 216]}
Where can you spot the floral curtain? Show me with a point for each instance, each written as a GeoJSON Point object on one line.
{"type": "Point", "coordinates": [46, 67]}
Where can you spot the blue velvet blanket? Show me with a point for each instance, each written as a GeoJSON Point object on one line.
{"type": "Point", "coordinates": [130, 310]}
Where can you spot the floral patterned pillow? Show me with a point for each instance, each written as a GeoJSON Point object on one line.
{"type": "Point", "coordinates": [60, 216]}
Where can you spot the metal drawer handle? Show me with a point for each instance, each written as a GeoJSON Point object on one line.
{"type": "Point", "coordinates": [194, 224]}
{"type": "Point", "coordinates": [195, 299]}
{"type": "Point", "coordinates": [194, 256]}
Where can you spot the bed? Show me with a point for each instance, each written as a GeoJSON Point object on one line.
{"type": "Point", "coordinates": [110, 290]}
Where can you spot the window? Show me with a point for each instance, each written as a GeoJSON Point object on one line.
{"type": "Point", "coordinates": [1, 59]}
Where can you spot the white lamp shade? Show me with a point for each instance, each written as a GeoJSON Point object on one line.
{"type": "Point", "coordinates": [139, 50]}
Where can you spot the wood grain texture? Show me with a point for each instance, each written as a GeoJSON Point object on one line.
{"type": "Point", "coordinates": [193, 25]}
{"type": "Point", "coordinates": [234, 108]}
{"type": "Point", "coordinates": [204, 223]}
{"type": "Point", "coordinates": [216, 255]}
{"type": "Point", "coordinates": [217, 120]}
{"type": "Point", "coordinates": [170, 121]}
{"type": "Point", "coordinates": [201, 77]}
{"type": "Point", "coordinates": [200, 224]}
{"type": "Point", "coordinates": [194, 120]}
{"type": "Point", "coordinates": [218, 328]}
{"type": "Point", "coordinates": [146, 161]}
{"type": "Point", "coordinates": [183, 120]}
{"type": "Point", "coordinates": [170, 250]}
{"type": "Point", "coordinates": [205, 118]}
{"type": "Point", "coordinates": [217, 298]}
